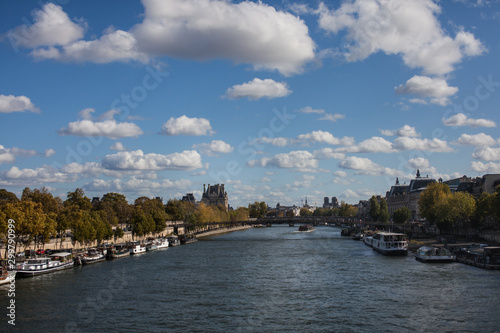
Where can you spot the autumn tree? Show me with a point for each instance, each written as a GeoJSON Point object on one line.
{"type": "Point", "coordinates": [432, 200]}
{"type": "Point", "coordinates": [374, 208]}
{"type": "Point", "coordinates": [383, 211]}
{"type": "Point", "coordinates": [347, 210]}
{"type": "Point", "coordinates": [257, 209]}
{"type": "Point", "coordinates": [402, 215]}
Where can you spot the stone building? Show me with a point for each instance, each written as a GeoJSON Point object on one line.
{"type": "Point", "coordinates": [189, 197]}
{"type": "Point", "coordinates": [328, 204]}
{"type": "Point", "coordinates": [215, 195]}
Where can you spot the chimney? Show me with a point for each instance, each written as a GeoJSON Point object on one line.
{"type": "Point", "coordinates": [204, 188]}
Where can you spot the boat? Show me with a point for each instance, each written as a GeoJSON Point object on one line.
{"type": "Point", "coordinates": [368, 240]}
{"type": "Point", "coordinates": [484, 257]}
{"type": "Point", "coordinates": [37, 266]}
{"type": "Point", "coordinates": [358, 236]}
{"type": "Point", "coordinates": [306, 228]}
{"type": "Point", "coordinates": [137, 249]}
{"type": "Point", "coordinates": [173, 241]}
{"type": "Point", "coordinates": [434, 254]}
{"type": "Point", "coordinates": [7, 276]}
{"type": "Point", "coordinates": [162, 243]}
{"type": "Point", "coordinates": [117, 252]}
{"type": "Point", "coordinates": [151, 247]}
{"type": "Point", "coordinates": [390, 243]}
{"type": "Point", "coordinates": [188, 239]}
{"type": "Point", "coordinates": [93, 256]}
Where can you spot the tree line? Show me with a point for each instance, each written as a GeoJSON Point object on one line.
{"type": "Point", "coordinates": [39, 216]}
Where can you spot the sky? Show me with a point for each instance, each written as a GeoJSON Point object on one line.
{"type": "Point", "coordinates": [278, 100]}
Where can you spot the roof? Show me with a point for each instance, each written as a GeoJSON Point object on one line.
{"type": "Point", "coordinates": [61, 254]}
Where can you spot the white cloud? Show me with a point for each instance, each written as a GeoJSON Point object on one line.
{"type": "Point", "coordinates": [461, 119]}
{"type": "Point", "coordinates": [213, 148]}
{"type": "Point", "coordinates": [10, 103]}
{"type": "Point", "coordinates": [49, 152]}
{"type": "Point", "coordinates": [257, 89]}
{"type": "Point", "coordinates": [341, 174]}
{"type": "Point", "coordinates": [108, 128]}
{"type": "Point", "coordinates": [477, 140]}
{"type": "Point", "coordinates": [136, 185]}
{"type": "Point", "coordinates": [481, 167]}
{"type": "Point", "coordinates": [137, 160]}
{"type": "Point", "coordinates": [309, 109]}
{"type": "Point", "coordinates": [404, 27]}
{"type": "Point", "coordinates": [187, 126]}
{"type": "Point", "coordinates": [245, 32]}
{"type": "Point", "coordinates": [301, 160]}
{"type": "Point", "coordinates": [436, 89]}
{"type": "Point", "coordinates": [487, 154]}
{"type": "Point", "coordinates": [332, 117]}
{"type": "Point", "coordinates": [51, 26]}
{"type": "Point", "coordinates": [372, 145]}
{"type": "Point", "coordinates": [406, 130]}
{"type": "Point", "coordinates": [117, 146]}
{"type": "Point", "coordinates": [279, 142]}
{"type": "Point", "coordinates": [323, 137]}
{"type": "Point", "coordinates": [10, 154]}
{"type": "Point", "coordinates": [434, 145]}
{"type": "Point", "coordinates": [39, 176]}
{"type": "Point", "coordinates": [327, 153]}
{"type": "Point", "coordinates": [366, 166]}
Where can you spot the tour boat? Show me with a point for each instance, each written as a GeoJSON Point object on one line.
{"type": "Point", "coordinates": [138, 248]}
{"type": "Point", "coordinates": [306, 228]}
{"type": "Point", "coordinates": [434, 254]}
{"type": "Point", "coordinates": [7, 276]}
{"type": "Point", "coordinates": [368, 240]}
{"type": "Point", "coordinates": [390, 243]}
{"type": "Point", "coordinates": [162, 243]}
{"type": "Point", "coordinates": [93, 256]}
{"type": "Point", "coordinates": [38, 266]}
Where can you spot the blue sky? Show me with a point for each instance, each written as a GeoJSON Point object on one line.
{"type": "Point", "coordinates": [279, 100]}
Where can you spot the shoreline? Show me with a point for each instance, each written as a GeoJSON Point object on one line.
{"type": "Point", "coordinates": [222, 231]}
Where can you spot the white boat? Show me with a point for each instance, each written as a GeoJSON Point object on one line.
{"type": "Point", "coordinates": [434, 254]}
{"type": "Point", "coordinates": [306, 228]}
{"type": "Point", "coordinates": [162, 243]}
{"type": "Point", "coordinates": [173, 241]}
{"type": "Point", "coordinates": [7, 276]}
{"type": "Point", "coordinates": [44, 265]}
{"type": "Point", "coordinates": [390, 243]}
{"type": "Point", "coordinates": [93, 256]}
{"type": "Point", "coordinates": [368, 240]}
{"type": "Point", "coordinates": [138, 248]}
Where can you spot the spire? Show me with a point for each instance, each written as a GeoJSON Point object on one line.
{"type": "Point", "coordinates": [418, 173]}
{"type": "Point", "coordinates": [397, 181]}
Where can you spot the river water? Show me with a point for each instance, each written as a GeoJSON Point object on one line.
{"type": "Point", "coordinates": [261, 280]}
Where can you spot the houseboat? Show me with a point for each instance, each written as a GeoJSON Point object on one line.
{"type": "Point", "coordinates": [37, 266]}
{"type": "Point", "coordinates": [390, 243]}
{"type": "Point", "coordinates": [119, 251]}
{"type": "Point", "coordinates": [173, 241]}
{"type": "Point", "coordinates": [484, 257]}
{"type": "Point", "coordinates": [7, 276]}
{"type": "Point", "coordinates": [162, 243]}
{"type": "Point", "coordinates": [137, 249]}
{"type": "Point", "coordinates": [188, 239]}
{"type": "Point", "coordinates": [151, 247]}
{"type": "Point", "coordinates": [306, 228]}
{"type": "Point", "coordinates": [368, 240]}
{"type": "Point", "coordinates": [434, 254]}
{"type": "Point", "coordinates": [93, 256]}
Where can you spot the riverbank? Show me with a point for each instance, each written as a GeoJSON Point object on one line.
{"type": "Point", "coordinates": [221, 231]}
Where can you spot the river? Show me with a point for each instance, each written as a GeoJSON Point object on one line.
{"type": "Point", "coordinates": [261, 280]}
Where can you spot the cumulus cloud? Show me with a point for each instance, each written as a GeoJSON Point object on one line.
{"type": "Point", "coordinates": [108, 128]}
{"type": "Point", "coordinates": [257, 89]}
{"type": "Point", "coordinates": [434, 145]}
{"type": "Point", "coordinates": [143, 186]}
{"type": "Point", "coordinates": [366, 166]}
{"type": "Point", "coordinates": [323, 137]}
{"type": "Point", "coordinates": [137, 160]}
{"type": "Point", "coordinates": [279, 141]}
{"type": "Point", "coordinates": [403, 27]}
{"type": "Point", "coordinates": [10, 103]}
{"type": "Point", "coordinates": [333, 117]}
{"type": "Point", "coordinates": [301, 160]}
{"type": "Point", "coordinates": [461, 119]}
{"type": "Point", "coordinates": [481, 167]}
{"type": "Point", "coordinates": [214, 148]}
{"type": "Point", "coordinates": [9, 154]}
{"type": "Point", "coordinates": [372, 145]}
{"type": "Point", "coordinates": [327, 153]}
{"type": "Point", "coordinates": [51, 26]}
{"type": "Point", "coordinates": [117, 146]}
{"type": "Point", "coordinates": [187, 126]}
{"type": "Point", "coordinates": [436, 89]}
{"type": "Point", "coordinates": [245, 32]}
{"type": "Point", "coordinates": [49, 152]}
{"type": "Point", "coordinates": [487, 154]}
{"type": "Point", "coordinates": [309, 109]}
{"type": "Point", "coordinates": [480, 139]}
{"type": "Point", "coordinates": [406, 130]}
{"type": "Point", "coordinates": [39, 176]}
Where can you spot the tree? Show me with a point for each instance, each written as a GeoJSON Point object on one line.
{"type": "Point", "coordinates": [29, 220]}
{"type": "Point", "coordinates": [461, 207]}
{"type": "Point", "coordinates": [384, 211]}
{"type": "Point", "coordinates": [347, 210]}
{"type": "Point", "coordinates": [78, 199]}
{"type": "Point", "coordinates": [257, 209]}
{"type": "Point", "coordinates": [305, 212]}
{"type": "Point", "coordinates": [431, 201]}
{"type": "Point", "coordinates": [7, 197]}
{"type": "Point", "coordinates": [402, 215]}
{"type": "Point", "coordinates": [374, 208]}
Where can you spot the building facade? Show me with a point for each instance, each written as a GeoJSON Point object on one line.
{"type": "Point", "coordinates": [215, 195]}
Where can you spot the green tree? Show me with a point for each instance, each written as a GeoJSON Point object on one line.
{"type": "Point", "coordinates": [257, 209]}
{"type": "Point", "coordinates": [432, 200]}
{"type": "Point", "coordinates": [374, 208]}
{"type": "Point", "coordinates": [305, 212]}
{"type": "Point", "coordinates": [78, 199]}
{"type": "Point", "coordinates": [347, 210]}
{"type": "Point", "coordinates": [461, 207]}
{"type": "Point", "coordinates": [118, 233]}
{"type": "Point", "coordinates": [384, 211]}
{"type": "Point", "coordinates": [7, 197]}
{"type": "Point", "coordinates": [402, 215]}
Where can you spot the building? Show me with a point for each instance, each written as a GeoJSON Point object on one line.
{"type": "Point", "coordinates": [407, 195]}
{"type": "Point", "coordinates": [327, 204]}
{"type": "Point", "coordinates": [189, 197]}
{"type": "Point", "coordinates": [287, 210]}
{"type": "Point", "coordinates": [215, 195]}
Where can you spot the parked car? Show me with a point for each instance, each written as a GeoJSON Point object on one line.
{"type": "Point", "coordinates": [40, 251]}
{"type": "Point", "coordinates": [48, 251]}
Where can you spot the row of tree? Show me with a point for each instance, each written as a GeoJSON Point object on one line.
{"type": "Point", "coordinates": [459, 212]}
{"type": "Point", "coordinates": [39, 216]}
